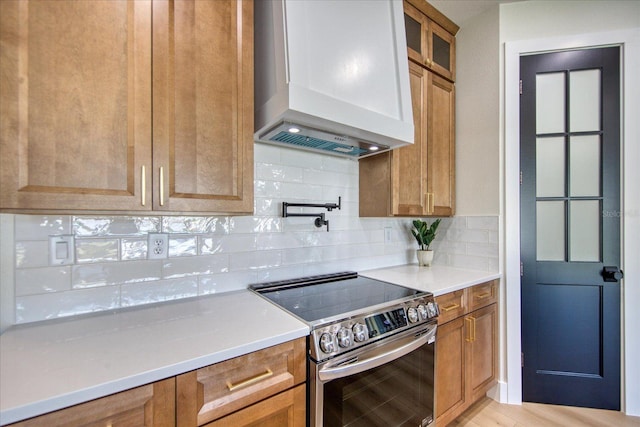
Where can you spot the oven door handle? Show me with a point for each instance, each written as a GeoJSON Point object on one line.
{"type": "Point", "coordinates": [400, 348]}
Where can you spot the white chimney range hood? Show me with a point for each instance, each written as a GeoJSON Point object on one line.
{"type": "Point", "coordinates": [332, 76]}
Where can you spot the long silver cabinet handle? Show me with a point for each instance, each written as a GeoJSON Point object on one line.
{"type": "Point", "coordinates": [401, 347]}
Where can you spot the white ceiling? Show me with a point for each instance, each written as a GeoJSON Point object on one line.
{"type": "Point", "coordinates": [460, 11]}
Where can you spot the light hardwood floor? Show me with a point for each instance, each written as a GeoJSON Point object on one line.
{"type": "Point", "coordinates": [488, 412]}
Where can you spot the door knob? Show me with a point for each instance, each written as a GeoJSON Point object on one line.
{"type": "Point", "coordinates": [612, 274]}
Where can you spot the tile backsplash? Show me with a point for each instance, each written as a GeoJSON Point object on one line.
{"type": "Point", "coordinates": [225, 253]}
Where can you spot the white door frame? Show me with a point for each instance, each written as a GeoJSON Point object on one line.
{"type": "Point", "coordinates": [630, 203]}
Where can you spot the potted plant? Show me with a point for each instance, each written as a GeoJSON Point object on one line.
{"type": "Point", "coordinates": [424, 234]}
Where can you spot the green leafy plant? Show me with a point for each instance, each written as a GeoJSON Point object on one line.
{"type": "Point", "coordinates": [424, 233]}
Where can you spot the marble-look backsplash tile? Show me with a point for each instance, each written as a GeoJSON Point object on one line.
{"type": "Point", "coordinates": [225, 253]}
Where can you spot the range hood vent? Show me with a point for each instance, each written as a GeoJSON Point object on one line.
{"type": "Point", "coordinates": [332, 76]}
{"type": "Point", "coordinates": [290, 134]}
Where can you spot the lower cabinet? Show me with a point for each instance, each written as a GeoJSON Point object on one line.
{"type": "Point", "coordinates": [266, 388]}
{"type": "Point", "coordinates": [151, 405]}
{"type": "Point", "coordinates": [466, 350]}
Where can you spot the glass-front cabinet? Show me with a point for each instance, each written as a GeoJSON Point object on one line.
{"type": "Point", "coordinates": [429, 44]}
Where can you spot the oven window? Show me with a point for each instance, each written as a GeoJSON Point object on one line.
{"type": "Point", "coordinates": [399, 393]}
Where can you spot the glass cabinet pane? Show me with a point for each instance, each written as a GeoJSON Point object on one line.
{"type": "Point", "coordinates": [441, 52]}
{"type": "Point", "coordinates": [584, 230]}
{"type": "Point", "coordinates": [550, 103]}
{"type": "Point", "coordinates": [550, 231]}
{"type": "Point", "coordinates": [414, 33]}
{"type": "Point", "coordinates": [584, 98]}
{"type": "Point", "coordinates": [550, 167]}
{"type": "Point", "coordinates": [584, 165]}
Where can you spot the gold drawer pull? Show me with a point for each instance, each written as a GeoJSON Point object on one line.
{"type": "Point", "coordinates": [483, 295]}
{"type": "Point", "coordinates": [450, 307]}
{"type": "Point", "coordinates": [250, 381]}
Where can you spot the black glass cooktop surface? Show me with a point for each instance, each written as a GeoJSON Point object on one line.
{"type": "Point", "coordinates": [312, 301]}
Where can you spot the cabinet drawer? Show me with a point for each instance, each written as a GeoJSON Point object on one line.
{"type": "Point", "coordinates": [451, 306]}
{"type": "Point", "coordinates": [286, 409]}
{"type": "Point", "coordinates": [482, 295]}
{"type": "Point", "coordinates": [214, 391]}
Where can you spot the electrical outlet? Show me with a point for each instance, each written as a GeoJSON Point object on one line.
{"type": "Point", "coordinates": [387, 234]}
{"type": "Point", "coordinates": [158, 246]}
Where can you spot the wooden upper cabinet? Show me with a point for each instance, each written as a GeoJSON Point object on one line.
{"type": "Point", "coordinates": [80, 81]}
{"type": "Point", "coordinates": [430, 38]}
{"type": "Point", "coordinates": [75, 126]}
{"type": "Point", "coordinates": [441, 146]}
{"type": "Point", "coordinates": [203, 106]}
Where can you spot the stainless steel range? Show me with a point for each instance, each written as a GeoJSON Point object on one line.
{"type": "Point", "coordinates": [371, 348]}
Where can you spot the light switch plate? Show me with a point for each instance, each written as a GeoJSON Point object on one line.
{"type": "Point", "coordinates": [62, 249]}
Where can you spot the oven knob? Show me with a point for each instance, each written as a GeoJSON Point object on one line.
{"type": "Point", "coordinates": [412, 314]}
{"type": "Point", "coordinates": [359, 332]}
{"type": "Point", "coordinates": [345, 338]}
{"type": "Point", "coordinates": [326, 343]}
{"type": "Point", "coordinates": [422, 311]}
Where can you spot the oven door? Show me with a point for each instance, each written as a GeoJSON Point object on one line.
{"type": "Point", "coordinates": [386, 384]}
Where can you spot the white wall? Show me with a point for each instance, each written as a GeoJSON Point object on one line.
{"type": "Point", "coordinates": [536, 26]}
{"type": "Point", "coordinates": [477, 116]}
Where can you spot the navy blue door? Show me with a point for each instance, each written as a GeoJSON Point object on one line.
{"type": "Point", "coordinates": [570, 227]}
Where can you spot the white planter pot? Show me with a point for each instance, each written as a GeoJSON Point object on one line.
{"type": "Point", "coordinates": [424, 258]}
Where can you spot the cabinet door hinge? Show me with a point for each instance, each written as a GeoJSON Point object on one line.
{"type": "Point", "coordinates": [520, 87]}
{"type": "Point", "coordinates": [522, 360]}
{"type": "Point", "coordinates": [520, 177]}
{"type": "Point", "coordinates": [521, 269]}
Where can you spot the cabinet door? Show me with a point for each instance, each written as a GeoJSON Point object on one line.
{"type": "Point", "coordinates": [75, 126]}
{"type": "Point", "coordinates": [482, 351]}
{"type": "Point", "coordinates": [286, 409]}
{"type": "Point", "coordinates": [442, 51]}
{"type": "Point", "coordinates": [152, 405]}
{"type": "Point", "coordinates": [450, 370]}
{"type": "Point", "coordinates": [203, 106]}
{"type": "Point", "coordinates": [409, 164]}
{"type": "Point", "coordinates": [429, 44]}
{"type": "Point", "coordinates": [441, 148]}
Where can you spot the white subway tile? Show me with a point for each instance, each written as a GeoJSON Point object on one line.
{"type": "Point", "coordinates": [103, 274]}
{"type": "Point", "coordinates": [131, 249]}
{"type": "Point", "coordinates": [40, 227]}
{"type": "Point", "coordinates": [219, 283]}
{"type": "Point", "coordinates": [302, 255]}
{"type": "Point", "coordinates": [291, 156]}
{"type": "Point", "coordinates": [193, 266]}
{"type": "Point", "coordinates": [301, 192]}
{"type": "Point", "coordinates": [482, 249]}
{"type": "Point", "coordinates": [250, 224]}
{"type": "Point", "coordinates": [96, 250]}
{"type": "Point", "coordinates": [195, 224]}
{"type": "Point", "coordinates": [281, 273]}
{"type": "Point", "coordinates": [227, 244]}
{"type": "Point", "coordinates": [267, 207]}
{"type": "Point", "coordinates": [267, 241]}
{"type": "Point", "coordinates": [42, 280]}
{"type": "Point", "coordinates": [265, 153]}
{"type": "Point", "coordinates": [32, 254]}
{"type": "Point", "coordinates": [267, 189]}
{"type": "Point", "coordinates": [183, 246]}
{"type": "Point", "coordinates": [162, 290]}
{"type": "Point", "coordinates": [33, 308]}
{"type": "Point", "coordinates": [254, 260]}
{"type": "Point", "coordinates": [114, 226]}
{"type": "Point", "coordinates": [338, 164]}
{"type": "Point", "coordinates": [275, 172]}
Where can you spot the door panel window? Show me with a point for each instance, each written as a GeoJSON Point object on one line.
{"type": "Point", "coordinates": [550, 167]}
{"type": "Point", "coordinates": [550, 91]}
{"type": "Point", "coordinates": [550, 230]}
{"type": "Point", "coordinates": [584, 98]}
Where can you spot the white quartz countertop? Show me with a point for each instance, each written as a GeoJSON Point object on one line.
{"type": "Point", "coordinates": [436, 279]}
{"type": "Point", "coordinates": [52, 365]}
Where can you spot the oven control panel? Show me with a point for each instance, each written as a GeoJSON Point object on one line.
{"type": "Point", "coordinates": [347, 334]}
